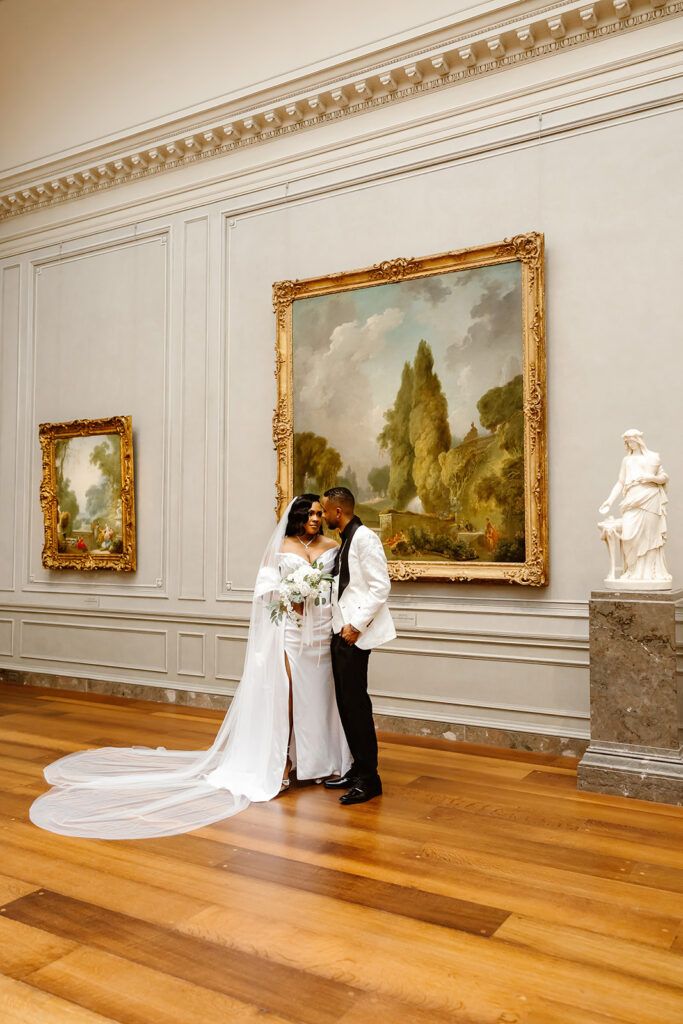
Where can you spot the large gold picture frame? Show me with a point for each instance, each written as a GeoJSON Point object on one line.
{"type": "Point", "coordinates": [88, 495]}
{"type": "Point", "coordinates": [519, 259]}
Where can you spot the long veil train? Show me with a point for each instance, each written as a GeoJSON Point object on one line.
{"type": "Point", "coordinates": [140, 792]}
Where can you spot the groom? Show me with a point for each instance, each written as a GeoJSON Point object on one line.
{"type": "Point", "coordinates": [361, 620]}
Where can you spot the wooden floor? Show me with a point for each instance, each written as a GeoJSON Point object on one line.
{"type": "Point", "coordinates": [480, 888]}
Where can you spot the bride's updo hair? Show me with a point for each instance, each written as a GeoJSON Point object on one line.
{"type": "Point", "coordinates": [298, 514]}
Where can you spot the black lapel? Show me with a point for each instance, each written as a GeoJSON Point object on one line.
{"type": "Point", "coordinates": [343, 555]}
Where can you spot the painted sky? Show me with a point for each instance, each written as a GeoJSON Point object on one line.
{"type": "Point", "coordinates": [350, 347]}
{"type": "Point", "coordinates": [78, 468]}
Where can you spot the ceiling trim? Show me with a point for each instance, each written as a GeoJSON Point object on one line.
{"type": "Point", "coordinates": [547, 31]}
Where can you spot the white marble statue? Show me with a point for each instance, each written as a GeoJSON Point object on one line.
{"type": "Point", "coordinates": [641, 531]}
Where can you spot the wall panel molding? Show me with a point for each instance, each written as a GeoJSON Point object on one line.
{"type": "Point", "coordinates": [64, 583]}
{"type": "Point", "coordinates": [10, 362]}
{"type": "Point", "coordinates": [191, 654]}
{"type": "Point", "coordinates": [78, 640]}
{"type": "Point", "coordinates": [6, 638]}
{"type": "Point", "coordinates": [223, 581]}
{"type": "Point", "coordinates": [194, 424]}
{"type": "Point", "coordinates": [228, 656]}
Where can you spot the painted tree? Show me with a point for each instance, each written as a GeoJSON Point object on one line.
{"type": "Point", "coordinates": [314, 458]}
{"type": "Point", "coordinates": [378, 479]}
{"type": "Point", "coordinates": [429, 432]}
{"type": "Point", "coordinates": [67, 500]}
{"type": "Point", "coordinates": [502, 409]}
{"type": "Point", "coordinates": [103, 499]}
{"type": "Point", "coordinates": [349, 479]}
{"type": "Point", "coordinates": [395, 438]}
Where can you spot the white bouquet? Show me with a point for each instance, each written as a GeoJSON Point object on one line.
{"type": "Point", "coordinates": [307, 581]}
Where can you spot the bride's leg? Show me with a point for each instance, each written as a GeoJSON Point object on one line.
{"type": "Point", "coordinates": [288, 766]}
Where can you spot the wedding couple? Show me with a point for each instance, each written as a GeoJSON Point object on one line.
{"type": "Point", "coordinates": [302, 703]}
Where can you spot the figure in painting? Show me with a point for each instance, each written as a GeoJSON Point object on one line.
{"type": "Point", "coordinates": [107, 539]}
{"type": "Point", "coordinates": [490, 535]}
{"type": "Point", "coordinates": [641, 531]}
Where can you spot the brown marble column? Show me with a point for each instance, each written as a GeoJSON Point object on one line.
{"type": "Point", "coordinates": [635, 747]}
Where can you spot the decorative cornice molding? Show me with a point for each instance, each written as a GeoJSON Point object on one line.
{"type": "Point", "coordinates": [550, 30]}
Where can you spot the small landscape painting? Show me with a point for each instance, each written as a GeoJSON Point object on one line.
{"type": "Point", "coordinates": [88, 494]}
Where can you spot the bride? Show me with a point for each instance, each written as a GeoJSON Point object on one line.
{"type": "Point", "coordinates": [283, 716]}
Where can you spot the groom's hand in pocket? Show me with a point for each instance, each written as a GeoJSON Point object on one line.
{"type": "Point", "coordinates": [350, 634]}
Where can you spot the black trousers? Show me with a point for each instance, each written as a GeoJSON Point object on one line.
{"type": "Point", "coordinates": [350, 671]}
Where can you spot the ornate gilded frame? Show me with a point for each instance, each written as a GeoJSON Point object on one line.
{"type": "Point", "coordinates": [527, 249]}
{"type": "Point", "coordinates": [49, 433]}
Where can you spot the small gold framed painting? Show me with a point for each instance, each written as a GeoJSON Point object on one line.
{"type": "Point", "coordinates": [88, 494]}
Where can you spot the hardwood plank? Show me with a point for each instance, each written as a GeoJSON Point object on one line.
{"type": "Point", "coordinates": [240, 975]}
{"type": "Point", "coordinates": [564, 812]}
{"type": "Point", "coordinates": [594, 904]}
{"type": "Point", "coordinates": [18, 766]}
{"type": "Point", "coordinates": [550, 1011]}
{"type": "Point", "coordinates": [662, 832]}
{"type": "Point", "coordinates": [12, 888]}
{"type": "Point", "coordinates": [580, 946]}
{"type": "Point", "coordinates": [15, 805]}
{"type": "Point", "coordinates": [105, 700]}
{"type": "Point", "coordinates": [452, 969]}
{"type": "Point", "coordinates": [54, 745]}
{"type": "Point", "coordinates": [24, 949]}
{"type": "Point", "coordinates": [387, 896]}
{"type": "Point", "coordinates": [385, 1010]}
{"type": "Point", "coordinates": [392, 862]}
{"type": "Point", "coordinates": [22, 1004]}
{"type": "Point", "coordinates": [586, 851]}
{"type": "Point", "coordinates": [79, 729]}
{"type": "Point", "coordinates": [299, 826]}
{"type": "Point", "coordinates": [449, 766]}
{"type": "Point", "coordinates": [402, 961]}
{"type": "Point", "coordinates": [603, 799]}
{"type": "Point", "coordinates": [658, 876]}
{"type": "Point", "coordinates": [27, 753]}
{"type": "Point", "coordinates": [132, 994]}
{"type": "Point", "coordinates": [80, 881]}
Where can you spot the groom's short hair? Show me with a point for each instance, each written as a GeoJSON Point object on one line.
{"type": "Point", "coordinates": [341, 496]}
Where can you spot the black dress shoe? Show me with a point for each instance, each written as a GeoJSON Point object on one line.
{"type": "Point", "coordinates": [362, 791]}
{"type": "Point", "coordinates": [342, 782]}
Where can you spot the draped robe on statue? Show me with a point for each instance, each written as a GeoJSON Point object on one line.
{"type": "Point", "coordinates": [643, 518]}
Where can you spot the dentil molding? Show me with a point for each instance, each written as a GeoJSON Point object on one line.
{"type": "Point", "coordinates": [549, 30]}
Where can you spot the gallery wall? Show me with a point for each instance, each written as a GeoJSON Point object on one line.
{"type": "Point", "coordinates": [154, 300]}
{"type": "Point", "coordinates": [115, 67]}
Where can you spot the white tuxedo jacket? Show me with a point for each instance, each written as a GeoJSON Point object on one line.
{"type": "Point", "coordinates": [363, 603]}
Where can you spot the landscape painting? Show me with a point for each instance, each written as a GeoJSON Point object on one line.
{"type": "Point", "coordinates": [87, 494]}
{"type": "Point", "coordinates": [423, 392]}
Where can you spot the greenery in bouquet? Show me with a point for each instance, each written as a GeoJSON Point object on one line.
{"type": "Point", "coordinates": [308, 581]}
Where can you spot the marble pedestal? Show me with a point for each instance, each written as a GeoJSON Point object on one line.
{"type": "Point", "coordinates": [636, 708]}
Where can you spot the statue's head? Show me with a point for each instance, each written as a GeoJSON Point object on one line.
{"type": "Point", "coordinates": [633, 439]}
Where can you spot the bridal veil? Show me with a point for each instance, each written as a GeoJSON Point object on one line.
{"type": "Point", "coordinates": [140, 792]}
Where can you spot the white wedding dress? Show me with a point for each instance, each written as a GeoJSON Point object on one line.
{"type": "Point", "coordinates": [141, 792]}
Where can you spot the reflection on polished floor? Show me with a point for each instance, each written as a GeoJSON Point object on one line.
{"type": "Point", "coordinates": [480, 889]}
